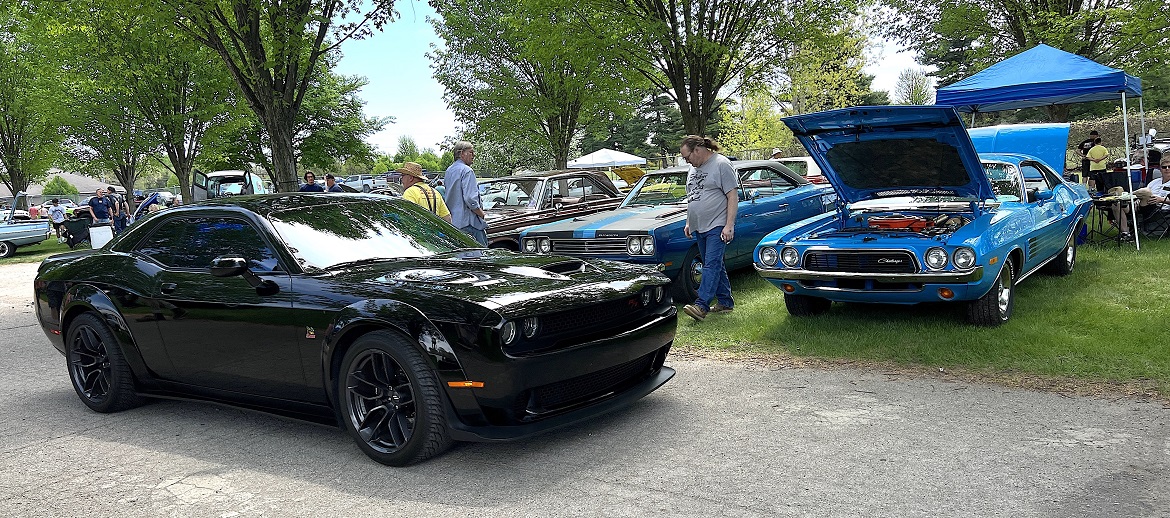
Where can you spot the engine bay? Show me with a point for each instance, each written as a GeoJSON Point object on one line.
{"type": "Point", "coordinates": [937, 225]}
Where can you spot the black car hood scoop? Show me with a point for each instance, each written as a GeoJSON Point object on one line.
{"type": "Point", "coordinates": [565, 267]}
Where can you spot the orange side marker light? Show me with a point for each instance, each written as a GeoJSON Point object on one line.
{"type": "Point", "coordinates": [465, 384]}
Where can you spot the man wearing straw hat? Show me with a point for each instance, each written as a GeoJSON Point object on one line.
{"type": "Point", "coordinates": [418, 192]}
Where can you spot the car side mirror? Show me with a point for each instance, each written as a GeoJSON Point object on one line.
{"type": "Point", "coordinates": [225, 266]}
{"type": "Point", "coordinates": [228, 266]}
{"type": "Point", "coordinates": [1044, 195]}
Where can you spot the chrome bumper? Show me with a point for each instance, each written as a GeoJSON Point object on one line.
{"type": "Point", "coordinates": [974, 275]}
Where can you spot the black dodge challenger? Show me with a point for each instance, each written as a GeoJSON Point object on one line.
{"type": "Point", "coordinates": [356, 310]}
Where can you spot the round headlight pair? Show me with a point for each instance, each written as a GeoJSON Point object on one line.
{"type": "Point", "coordinates": [533, 245]}
{"type": "Point", "coordinates": [937, 258]}
{"type": "Point", "coordinates": [508, 330]}
{"type": "Point", "coordinates": [647, 297]}
{"type": "Point", "coordinates": [768, 256]}
{"type": "Point", "coordinates": [789, 256]}
{"type": "Point", "coordinates": [640, 245]}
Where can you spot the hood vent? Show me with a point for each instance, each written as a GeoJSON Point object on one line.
{"type": "Point", "coordinates": [565, 267]}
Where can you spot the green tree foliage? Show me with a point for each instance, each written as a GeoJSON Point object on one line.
{"type": "Point", "coordinates": [653, 129]}
{"type": "Point", "coordinates": [962, 37]}
{"type": "Point", "coordinates": [752, 124]}
{"type": "Point", "coordinates": [913, 87]}
{"type": "Point", "coordinates": [516, 71]}
{"type": "Point", "coordinates": [30, 113]}
{"type": "Point", "coordinates": [272, 49]}
{"type": "Point", "coordinates": [407, 150]}
{"type": "Point", "coordinates": [702, 51]}
{"type": "Point", "coordinates": [57, 186]}
{"type": "Point", "coordinates": [824, 74]}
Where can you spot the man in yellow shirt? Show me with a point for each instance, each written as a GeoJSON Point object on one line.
{"type": "Point", "coordinates": [1097, 156]}
{"type": "Point", "coordinates": [418, 192]}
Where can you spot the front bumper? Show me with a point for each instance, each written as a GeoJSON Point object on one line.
{"type": "Point", "coordinates": [974, 275]}
{"type": "Point", "coordinates": [524, 396]}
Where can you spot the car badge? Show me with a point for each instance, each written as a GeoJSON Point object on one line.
{"type": "Point", "coordinates": [310, 332]}
{"type": "Point", "coordinates": [633, 303]}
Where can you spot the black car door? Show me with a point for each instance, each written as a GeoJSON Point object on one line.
{"type": "Point", "coordinates": [221, 332]}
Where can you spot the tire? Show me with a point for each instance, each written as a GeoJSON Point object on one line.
{"type": "Point", "coordinates": [1063, 264]}
{"type": "Point", "coordinates": [806, 306]}
{"type": "Point", "coordinates": [390, 401]}
{"type": "Point", "coordinates": [686, 283]}
{"type": "Point", "coordinates": [7, 249]}
{"type": "Point", "coordinates": [995, 307]}
{"type": "Point", "coordinates": [99, 372]}
{"type": "Point", "coordinates": [366, 188]}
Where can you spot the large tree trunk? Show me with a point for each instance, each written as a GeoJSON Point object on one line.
{"type": "Point", "coordinates": [1057, 112]}
{"type": "Point", "coordinates": [284, 159]}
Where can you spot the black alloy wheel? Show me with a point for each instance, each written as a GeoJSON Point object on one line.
{"type": "Point", "coordinates": [391, 401]}
{"type": "Point", "coordinates": [99, 372]}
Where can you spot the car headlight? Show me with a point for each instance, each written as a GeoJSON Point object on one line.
{"type": "Point", "coordinates": [530, 245]}
{"type": "Point", "coordinates": [508, 332]}
{"type": "Point", "coordinates": [789, 256]}
{"type": "Point", "coordinates": [658, 292]}
{"type": "Point", "coordinates": [634, 245]}
{"type": "Point", "coordinates": [647, 296]}
{"type": "Point", "coordinates": [768, 256]}
{"type": "Point", "coordinates": [964, 258]}
{"type": "Point", "coordinates": [936, 258]}
{"type": "Point", "coordinates": [648, 245]}
{"type": "Point", "coordinates": [545, 245]}
{"type": "Point", "coordinates": [531, 325]}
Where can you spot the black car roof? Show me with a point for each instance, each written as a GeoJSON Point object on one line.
{"type": "Point", "coordinates": [265, 204]}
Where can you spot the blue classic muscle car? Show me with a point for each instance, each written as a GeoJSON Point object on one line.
{"type": "Point", "coordinates": [648, 226]}
{"type": "Point", "coordinates": [923, 217]}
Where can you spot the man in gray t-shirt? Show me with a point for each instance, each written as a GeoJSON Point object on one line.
{"type": "Point", "coordinates": [712, 200]}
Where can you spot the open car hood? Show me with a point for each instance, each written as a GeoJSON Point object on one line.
{"type": "Point", "coordinates": [877, 152]}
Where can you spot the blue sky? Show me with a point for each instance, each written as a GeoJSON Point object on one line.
{"type": "Point", "coordinates": [400, 83]}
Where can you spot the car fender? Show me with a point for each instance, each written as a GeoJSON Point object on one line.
{"type": "Point", "coordinates": [81, 298]}
{"type": "Point", "coordinates": [369, 315]}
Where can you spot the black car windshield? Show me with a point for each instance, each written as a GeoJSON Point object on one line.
{"type": "Point", "coordinates": [659, 189]}
{"type": "Point", "coordinates": [323, 236]}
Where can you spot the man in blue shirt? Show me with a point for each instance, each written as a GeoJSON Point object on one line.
{"type": "Point", "coordinates": [99, 207]}
{"type": "Point", "coordinates": [331, 184]}
{"type": "Point", "coordinates": [462, 194]}
{"type": "Point", "coordinates": [311, 183]}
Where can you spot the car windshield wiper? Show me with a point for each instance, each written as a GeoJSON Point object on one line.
{"type": "Point", "coordinates": [368, 260]}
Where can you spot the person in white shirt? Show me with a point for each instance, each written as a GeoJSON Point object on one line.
{"type": "Point", "coordinates": [1159, 190]}
{"type": "Point", "coordinates": [57, 216]}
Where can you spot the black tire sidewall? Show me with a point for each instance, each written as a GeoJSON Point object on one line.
{"type": "Point", "coordinates": [684, 291]}
{"type": "Point", "coordinates": [7, 249]}
{"type": "Point", "coordinates": [121, 394]}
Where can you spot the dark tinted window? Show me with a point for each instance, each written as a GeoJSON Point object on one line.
{"type": "Point", "coordinates": [193, 243]}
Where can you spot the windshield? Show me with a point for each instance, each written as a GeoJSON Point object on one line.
{"type": "Point", "coordinates": [508, 193]}
{"type": "Point", "coordinates": [797, 166]}
{"type": "Point", "coordinates": [659, 189]}
{"type": "Point", "coordinates": [323, 236]}
{"type": "Point", "coordinates": [1004, 180]}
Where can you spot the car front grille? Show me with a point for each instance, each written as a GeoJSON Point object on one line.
{"type": "Point", "coordinates": [563, 394]}
{"type": "Point", "coordinates": [600, 246]}
{"type": "Point", "coordinates": [884, 261]}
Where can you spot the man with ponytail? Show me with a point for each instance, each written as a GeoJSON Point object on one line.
{"type": "Point", "coordinates": [712, 200]}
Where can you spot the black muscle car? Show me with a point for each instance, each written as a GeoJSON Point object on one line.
{"type": "Point", "coordinates": [357, 310]}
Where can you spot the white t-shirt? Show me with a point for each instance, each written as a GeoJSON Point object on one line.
{"type": "Point", "coordinates": [56, 213]}
{"type": "Point", "coordinates": [1159, 188]}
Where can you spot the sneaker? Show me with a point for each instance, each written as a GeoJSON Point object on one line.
{"type": "Point", "coordinates": [720, 308]}
{"type": "Point", "coordinates": [695, 312]}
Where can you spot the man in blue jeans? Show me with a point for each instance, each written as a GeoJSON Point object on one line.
{"type": "Point", "coordinates": [712, 200]}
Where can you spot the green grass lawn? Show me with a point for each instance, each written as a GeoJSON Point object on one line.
{"type": "Point", "coordinates": [34, 253]}
{"type": "Point", "coordinates": [1103, 323]}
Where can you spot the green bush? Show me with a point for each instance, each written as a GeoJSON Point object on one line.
{"type": "Point", "coordinates": [59, 187]}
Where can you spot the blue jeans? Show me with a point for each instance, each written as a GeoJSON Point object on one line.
{"type": "Point", "coordinates": [714, 283]}
{"type": "Point", "coordinates": [478, 233]}
{"type": "Point", "coordinates": [119, 223]}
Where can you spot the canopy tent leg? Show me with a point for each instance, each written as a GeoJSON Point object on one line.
{"type": "Point", "coordinates": [1128, 174]}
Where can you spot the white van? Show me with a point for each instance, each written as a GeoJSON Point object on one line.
{"type": "Point", "coordinates": [225, 183]}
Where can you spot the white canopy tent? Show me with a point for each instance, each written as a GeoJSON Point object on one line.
{"type": "Point", "coordinates": [605, 158]}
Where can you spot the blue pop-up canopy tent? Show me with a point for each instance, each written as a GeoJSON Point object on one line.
{"type": "Point", "coordinates": [1039, 76]}
{"type": "Point", "coordinates": [1043, 76]}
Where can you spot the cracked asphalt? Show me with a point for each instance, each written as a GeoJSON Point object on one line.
{"type": "Point", "coordinates": [721, 439]}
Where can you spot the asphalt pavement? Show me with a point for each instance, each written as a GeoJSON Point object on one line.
{"type": "Point", "coordinates": [721, 439]}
